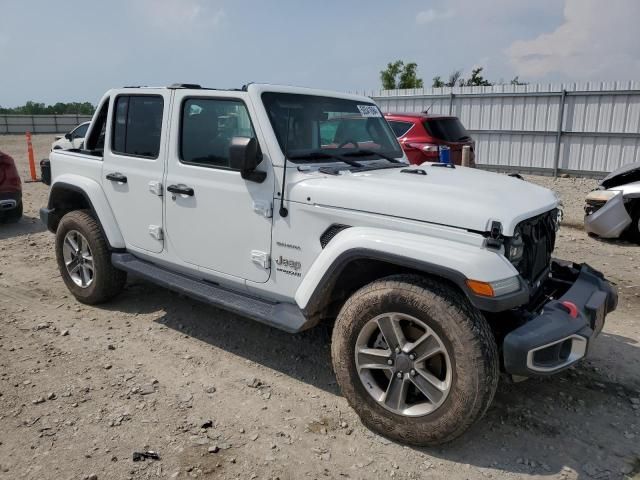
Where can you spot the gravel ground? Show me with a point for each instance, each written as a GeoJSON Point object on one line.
{"type": "Point", "coordinates": [219, 396]}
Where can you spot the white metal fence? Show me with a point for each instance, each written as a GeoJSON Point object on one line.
{"type": "Point", "coordinates": [19, 124]}
{"type": "Point", "coordinates": [579, 128]}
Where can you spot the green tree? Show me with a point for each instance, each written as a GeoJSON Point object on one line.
{"type": "Point", "coordinates": [476, 79]}
{"type": "Point", "coordinates": [454, 77]}
{"type": "Point", "coordinates": [409, 77]}
{"type": "Point", "coordinates": [60, 108]}
{"type": "Point", "coordinates": [389, 75]}
{"type": "Point", "coordinates": [399, 75]}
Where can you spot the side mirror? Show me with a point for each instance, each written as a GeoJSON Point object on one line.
{"type": "Point", "coordinates": [68, 136]}
{"type": "Point", "coordinates": [244, 156]}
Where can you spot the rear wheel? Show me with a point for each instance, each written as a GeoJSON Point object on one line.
{"type": "Point", "coordinates": [634, 228]}
{"type": "Point", "coordinates": [84, 260]}
{"type": "Point", "coordinates": [414, 359]}
{"type": "Point", "coordinates": [12, 216]}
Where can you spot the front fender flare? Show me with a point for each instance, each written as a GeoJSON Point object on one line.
{"type": "Point", "coordinates": [454, 261]}
{"type": "Point", "coordinates": [98, 203]}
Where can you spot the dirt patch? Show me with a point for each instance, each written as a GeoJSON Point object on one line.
{"type": "Point", "coordinates": [219, 396]}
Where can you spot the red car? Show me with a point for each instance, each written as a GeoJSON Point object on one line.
{"type": "Point", "coordinates": [421, 136]}
{"type": "Point", "coordinates": [10, 190]}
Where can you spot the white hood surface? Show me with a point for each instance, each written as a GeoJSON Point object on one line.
{"type": "Point", "coordinates": [462, 197]}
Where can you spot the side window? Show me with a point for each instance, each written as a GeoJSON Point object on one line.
{"type": "Point", "coordinates": [207, 127]}
{"type": "Point", "coordinates": [81, 131]}
{"type": "Point", "coordinates": [137, 125]}
{"type": "Point", "coordinates": [400, 128]}
{"type": "Point", "coordinates": [95, 142]}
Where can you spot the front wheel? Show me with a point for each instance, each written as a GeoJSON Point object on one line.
{"type": "Point", "coordinates": [414, 359]}
{"type": "Point", "coordinates": [84, 260]}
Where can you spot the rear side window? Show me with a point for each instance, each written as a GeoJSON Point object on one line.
{"type": "Point", "coordinates": [137, 125]}
{"type": "Point", "coordinates": [400, 128]}
{"type": "Point", "coordinates": [81, 131]}
{"type": "Point", "coordinates": [447, 129]}
{"type": "Point", "coordinates": [208, 125]}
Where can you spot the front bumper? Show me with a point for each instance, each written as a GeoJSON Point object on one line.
{"type": "Point", "coordinates": [560, 334]}
{"type": "Point", "coordinates": [609, 220]}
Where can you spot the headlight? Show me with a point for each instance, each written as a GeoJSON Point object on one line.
{"type": "Point", "coordinates": [559, 217]}
{"type": "Point", "coordinates": [515, 248]}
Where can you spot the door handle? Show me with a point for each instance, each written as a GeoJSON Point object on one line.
{"type": "Point", "coordinates": [181, 189]}
{"type": "Point", "coordinates": [117, 177]}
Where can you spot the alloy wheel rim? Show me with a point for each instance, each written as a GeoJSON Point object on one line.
{"type": "Point", "coordinates": [78, 259]}
{"type": "Point", "coordinates": [403, 364]}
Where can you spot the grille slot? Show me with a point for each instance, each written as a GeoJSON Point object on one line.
{"type": "Point", "coordinates": [331, 232]}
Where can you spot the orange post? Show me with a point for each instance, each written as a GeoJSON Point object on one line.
{"type": "Point", "coordinates": [32, 161]}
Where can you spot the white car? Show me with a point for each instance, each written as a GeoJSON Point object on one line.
{"type": "Point", "coordinates": [72, 139]}
{"type": "Point", "coordinates": [613, 209]}
{"type": "Point", "coordinates": [263, 201]}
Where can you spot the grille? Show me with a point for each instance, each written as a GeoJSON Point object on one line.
{"type": "Point", "coordinates": [539, 237]}
{"type": "Point", "coordinates": [331, 232]}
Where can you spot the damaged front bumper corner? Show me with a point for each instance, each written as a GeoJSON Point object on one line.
{"type": "Point", "coordinates": [559, 335]}
{"type": "Point", "coordinates": [606, 218]}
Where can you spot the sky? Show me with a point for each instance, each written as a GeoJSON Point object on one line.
{"type": "Point", "coordinates": [71, 50]}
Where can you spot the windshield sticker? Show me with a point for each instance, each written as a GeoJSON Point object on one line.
{"type": "Point", "coordinates": [369, 111]}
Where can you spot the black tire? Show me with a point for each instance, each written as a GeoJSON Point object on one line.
{"type": "Point", "coordinates": [107, 281]}
{"type": "Point", "coordinates": [465, 334]}
{"type": "Point", "coordinates": [633, 231]}
{"type": "Point", "coordinates": [12, 216]}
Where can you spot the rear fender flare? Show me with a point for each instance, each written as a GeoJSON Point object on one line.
{"type": "Point", "coordinates": [98, 204]}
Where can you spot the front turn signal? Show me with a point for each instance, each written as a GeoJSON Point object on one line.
{"type": "Point", "coordinates": [494, 289]}
{"type": "Point", "coordinates": [481, 288]}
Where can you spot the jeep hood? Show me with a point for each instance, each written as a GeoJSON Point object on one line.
{"type": "Point", "coordinates": [462, 197]}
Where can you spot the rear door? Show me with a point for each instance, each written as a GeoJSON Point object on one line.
{"type": "Point", "coordinates": [223, 222]}
{"type": "Point", "coordinates": [134, 162]}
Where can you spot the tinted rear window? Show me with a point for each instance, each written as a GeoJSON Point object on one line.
{"type": "Point", "coordinates": [137, 125]}
{"type": "Point", "coordinates": [400, 128]}
{"type": "Point", "coordinates": [447, 129]}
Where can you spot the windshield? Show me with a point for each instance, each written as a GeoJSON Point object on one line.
{"type": "Point", "coordinates": [308, 125]}
{"type": "Point", "coordinates": [447, 129]}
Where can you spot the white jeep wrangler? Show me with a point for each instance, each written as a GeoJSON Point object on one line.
{"type": "Point", "coordinates": [294, 206]}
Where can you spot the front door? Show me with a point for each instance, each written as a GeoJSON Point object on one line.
{"type": "Point", "coordinates": [215, 219]}
{"type": "Point", "coordinates": [134, 159]}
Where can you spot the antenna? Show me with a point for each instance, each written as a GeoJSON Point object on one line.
{"type": "Point", "coordinates": [426, 112]}
{"type": "Point", "coordinates": [283, 211]}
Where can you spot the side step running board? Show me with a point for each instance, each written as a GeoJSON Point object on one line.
{"type": "Point", "coordinates": [285, 316]}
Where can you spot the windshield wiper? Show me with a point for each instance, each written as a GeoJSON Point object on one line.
{"type": "Point", "coordinates": [366, 153]}
{"type": "Point", "coordinates": [319, 155]}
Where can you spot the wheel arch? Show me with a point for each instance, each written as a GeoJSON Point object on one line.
{"type": "Point", "coordinates": [355, 258]}
{"type": "Point", "coordinates": [68, 194]}
{"type": "Point", "coordinates": [356, 268]}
